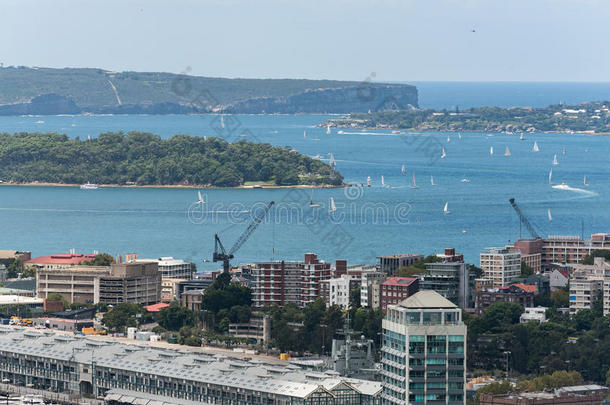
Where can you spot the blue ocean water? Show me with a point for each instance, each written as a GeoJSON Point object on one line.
{"type": "Point", "coordinates": [368, 221]}
{"type": "Point", "coordinates": [449, 95]}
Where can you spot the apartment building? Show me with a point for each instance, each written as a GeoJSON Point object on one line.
{"type": "Point", "coordinates": [424, 352]}
{"type": "Point", "coordinates": [451, 279]}
{"type": "Point", "coordinates": [396, 289]}
{"type": "Point", "coordinates": [518, 293]}
{"type": "Point", "coordinates": [562, 249]}
{"type": "Point", "coordinates": [282, 282]}
{"type": "Point", "coordinates": [501, 265]}
{"type": "Point", "coordinates": [370, 289]}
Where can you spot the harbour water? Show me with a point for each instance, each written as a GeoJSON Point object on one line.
{"type": "Point", "coordinates": [368, 222]}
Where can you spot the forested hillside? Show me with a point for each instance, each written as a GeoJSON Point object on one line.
{"type": "Point", "coordinates": [147, 159]}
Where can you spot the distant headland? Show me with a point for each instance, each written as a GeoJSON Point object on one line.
{"type": "Point", "coordinates": [47, 91]}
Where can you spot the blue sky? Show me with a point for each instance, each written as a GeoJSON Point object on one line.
{"type": "Point", "coordinates": [402, 40]}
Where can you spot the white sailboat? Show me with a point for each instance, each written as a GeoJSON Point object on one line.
{"type": "Point", "coordinates": [383, 182]}
{"type": "Point", "coordinates": [328, 130]}
{"type": "Point", "coordinates": [332, 208]}
{"type": "Point", "coordinates": [432, 181]}
{"type": "Point", "coordinates": [535, 148]}
{"type": "Point", "coordinates": [555, 162]}
{"type": "Point", "coordinates": [491, 150]}
{"type": "Point", "coordinates": [403, 170]}
{"type": "Point", "coordinates": [443, 154]}
{"type": "Point", "coordinates": [446, 209]}
{"type": "Point", "coordinates": [448, 139]}
{"type": "Point", "coordinates": [222, 121]}
{"type": "Point", "coordinates": [331, 161]}
{"type": "Point", "coordinates": [563, 151]}
{"type": "Point", "coordinates": [200, 199]}
{"type": "Point", "coordinates": [368, 181]}
{"type": "Point", "coordinates": [304, 134]}
{"type": "Point", "coordinates": [522, 137]}
{"type": "Point", "coordinates": [465, 179]}
{"type": "Point", "coordinates": [413, 185]}
{"type": "Point", "coordinates": [507, 152]}
{"type": "Point", "coordinates": [312, 204]}
{"type": "Point", "coordinates": [548, 213]}
{"type": "Point", "coordinates": [459, 136]}
{"type": "Point", "coordinates": [551, 177]}
{"type": "Point", "coordinates": [584, 182]}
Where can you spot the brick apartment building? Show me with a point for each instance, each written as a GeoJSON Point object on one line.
{"type": "Point", "coordinates": [519, 293]}
{"type": "Point", "coordinates": [283, 282]}
{"type": "Point", "coordinates": [396, 289]}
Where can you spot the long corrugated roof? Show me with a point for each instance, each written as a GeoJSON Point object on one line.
{"type": "Point", "coordinates": [183, 364]}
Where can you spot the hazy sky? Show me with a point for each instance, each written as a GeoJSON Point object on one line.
{"type": "Point", "coordinates": [402, 40]}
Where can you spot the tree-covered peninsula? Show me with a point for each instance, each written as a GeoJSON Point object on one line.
{"type": "Point", "coordinates": [139, 158]}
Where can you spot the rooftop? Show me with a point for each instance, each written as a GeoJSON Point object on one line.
{"type": "Point", "coordinates": [18, 299]}
{"type": "Point", "coordinates": [184, 364]}
{"type": "Point", "coordinates": [399, 281]}
{"type": "Point", "coordinates": [427, 299]}
{"type": "Point", "coordinates": [156, 307]}
{"type": "Point", "coordinates": [62, 258]}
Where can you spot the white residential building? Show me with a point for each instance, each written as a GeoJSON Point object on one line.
{"type": "Point", "coordinates": [535, 314]}
{"type": "Point", "coordinates": [424, 352]}
{"type": "Point", "coordinates": [339, 289]}
{"type": "Point", "coordinates": [502, 265]}
{"type": "Point", "coordinates": [584, 291]}
{"type": "Point", "coordinates": [369, 295]}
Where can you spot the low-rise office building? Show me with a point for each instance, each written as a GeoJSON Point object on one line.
{"type": "Point", "coordinates": [86, 366]}
{"type": "Point", "coordinates": [171, 268]}
{"type": "Point", "coordinates": [389, 264]}
{"type": "Point", "coordinates": [60, 260]}
{"type": "Point", "coordinates": [133, 282]}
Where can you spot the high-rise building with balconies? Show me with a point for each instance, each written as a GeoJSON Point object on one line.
{"type": "Point", "coordinates": [424, 352]}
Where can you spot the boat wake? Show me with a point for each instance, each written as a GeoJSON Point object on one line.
{"type": "Point", "coordinates": [565, 187]}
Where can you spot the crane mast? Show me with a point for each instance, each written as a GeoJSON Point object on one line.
{"type": "Point", "coordinates": [523, 220]}
{"type": "Point", "coordinates": [220, 253]}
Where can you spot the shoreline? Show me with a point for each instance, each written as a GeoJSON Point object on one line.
{"type": "Point", "coordinates": [467, 130]}
{"type": "Point", "coordinates": [174, 186]}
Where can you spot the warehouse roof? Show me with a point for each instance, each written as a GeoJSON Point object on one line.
{"type": "Point", "coordinates": [182, 364]}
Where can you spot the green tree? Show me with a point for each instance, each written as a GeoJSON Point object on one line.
{"type": "Point", "coordinates": [102, 259]}
{"type": "Point", "coordinates": [175, 317]}
{"type": "Point", "coordinates": [495, 388]}
{"type": "Point", "coordinates": [354, 298]}
{"type": "Point", "coordinates": [526, 270]}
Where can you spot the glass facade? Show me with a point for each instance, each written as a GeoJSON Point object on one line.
{"type": "Point", "coordinates": [423, 356]}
